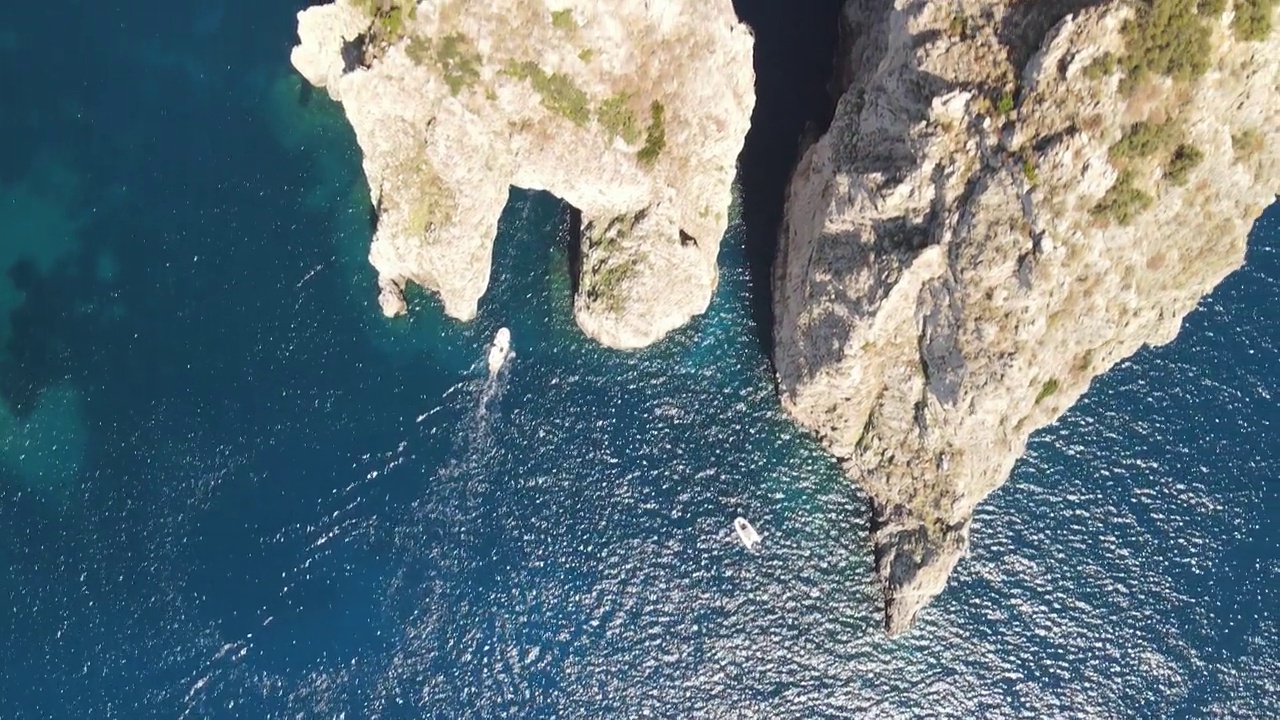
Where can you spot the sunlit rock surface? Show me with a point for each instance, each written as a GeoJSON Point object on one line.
{"type": "Point", "coordinates": [971, 242]}
{"type": "Point", "coordinates": [633, 111]}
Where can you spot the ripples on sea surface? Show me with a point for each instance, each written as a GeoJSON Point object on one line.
{"type": "Point", "coordinates": [229, 489]}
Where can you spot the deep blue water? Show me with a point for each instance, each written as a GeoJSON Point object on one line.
{"type": "Point", "coordinates": [230, 489]}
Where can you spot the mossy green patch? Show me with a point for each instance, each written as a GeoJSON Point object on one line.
{"type": "Point", "coordinates": [655, 140]}
{"type": "Point", "coordinates": [558, 92]}
{"type": "Point", "coordinates": [1049, 388]}
{"type": "Point", "coordinates": [615, 115]}
{"type": "Point", "coordinates": [459, 61]}
{"type": "Point", "coordinates": [564, 20]}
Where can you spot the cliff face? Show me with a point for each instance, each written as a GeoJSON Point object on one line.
{"type": "Point", "coordinates": [1006, 204]}
{"type": "Point", "coordinates": [633, 111]}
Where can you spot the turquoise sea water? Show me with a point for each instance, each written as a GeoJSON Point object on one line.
{"type": "Point", "coordinates": [230, 489]}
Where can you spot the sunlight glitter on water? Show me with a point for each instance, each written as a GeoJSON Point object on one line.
{"type": "Point", "coordinates": [275, 503]}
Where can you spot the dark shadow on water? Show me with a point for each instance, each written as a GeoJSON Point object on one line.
{"type": "Point", "coordinates": [795, 49]}
{"type": "Point", "coordinates": [573, 244]}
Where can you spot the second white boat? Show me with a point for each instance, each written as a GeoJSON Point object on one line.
{"type": "Point", "coordinates": [746, 533]}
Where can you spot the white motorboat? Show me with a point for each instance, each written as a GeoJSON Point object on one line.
{"type": "Point", "coordinates": [746, 533]}
{"type": "Point", "coordinates": [500, 350]}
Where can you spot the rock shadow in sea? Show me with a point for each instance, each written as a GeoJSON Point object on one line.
{"type": "Point", "coordinates": [795, 50]}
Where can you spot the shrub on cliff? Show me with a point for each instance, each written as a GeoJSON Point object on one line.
{"type": "Point", "coordinates": [1006, 103]}
{"type": "Point", "coordinates": [1184, 158]}
{"type": "Point", "coordinates": [1247, 143]}
{"type": "Point", "coordinates": [1102, 66]}
{"type": "Point", "coordinates": [1142, 139]}
{"type": "Point", "coordinates": [1168, 37]}
{"type": "Point", "coordinates": [1252, 21]}
{"type": "Point", "coordinates": [1123, 202]}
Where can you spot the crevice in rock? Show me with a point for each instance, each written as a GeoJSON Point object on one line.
{"type": "Point", "coordinates": [573, 246]}
{"type": "Point", "coordinates": [795, 44]}
{"type": "Point", "coordinates": [354, 53]}
{"type": "Point", "coordinates": [1024, 25]}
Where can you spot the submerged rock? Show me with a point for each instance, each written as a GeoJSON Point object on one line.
{"type": "Point", "coordinates": [1009, 200]}
{"type": "Point", "coordinates": [633, 111]}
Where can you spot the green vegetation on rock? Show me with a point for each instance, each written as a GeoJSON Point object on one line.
{"type": "Point", "coordinates": [1252, 21]}
{"type": "Point", "coordinates": [1005, 104]}
{"type": "Point", "coordinates": [454, 54]}
{"type": "Point", "coordinates": [1050, 387]}
{"type": "Point", "coordinates": [564, 20]}
{"type": "Point", "coordinates": [1247, 143]}
{"type": "Point", "coordinates": [1101, 66]}
{"type": "Point", "coordinates": [1185, 157]}
{"type": "Point", "coordinates": [1029, 169]}
{"type": "Point", "coordinates": [558, 93]}
{"type": "Point", "coordinates": [1123, 202]}
{"type": "Point", "coordinates": [1143, 139]}
{"type": "Point", "coordinates": [1167, 37]}
{"type": "Point", "coordinates": [586, 54]}
{"type": "Point", "coordinates": [427, 203]}
{"type": "Point", "coordinates": [615, 115]}
{"type": "Point", "coordinates": [655, 140]}
{"type": "Point", "coordinates": [389, 17]}
{"type": "Point", "coordinates": [611, 267]}
{"type": "Point", "coordinates": [458, 61]}
{"type": "Point", "coordinates": [419, 50]}
{"type": "Point", "coordinates": [608, 281]}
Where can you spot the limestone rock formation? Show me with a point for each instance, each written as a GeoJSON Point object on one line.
{"type": "Point", "coordinates": [1010, 199]}
{"type": "Point", "coordinates": [633, 111]}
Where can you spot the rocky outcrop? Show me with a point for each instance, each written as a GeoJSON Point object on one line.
{"type": "Point", "coordinates": [633, 111]}
{"type": "Point", "coordinates": [1007, 203]}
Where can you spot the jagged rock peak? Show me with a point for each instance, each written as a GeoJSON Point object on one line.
{"type": "Point", "coordinates": [633, 111]}
{"type": "Point", "coordinates": [1011, 198]}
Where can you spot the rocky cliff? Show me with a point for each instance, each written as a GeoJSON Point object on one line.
{"type": "Point", "coordinates": [633, 111]}
{"type": "Point", "coordinates": [1010, 199]}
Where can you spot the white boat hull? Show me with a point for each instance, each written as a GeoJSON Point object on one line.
{"type": "Point", "coordinates": [500, 350]}
{"type": "Point", "coordinates": [746, 533]}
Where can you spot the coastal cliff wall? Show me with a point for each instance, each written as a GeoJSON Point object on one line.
{"type": "Point", "coordinates": [633, 111]}
{"type": "Point", "coordinates": [1010, 199]}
